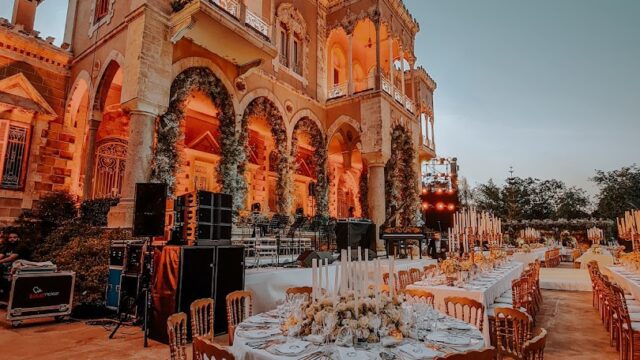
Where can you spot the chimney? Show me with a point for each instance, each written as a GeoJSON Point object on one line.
{"type": "Point", "coordinates": [24, 13]}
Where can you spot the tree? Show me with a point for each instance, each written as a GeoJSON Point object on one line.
{"type": "Point", "coordinates": [619, 191]}
{"type": "Point", "coordinates": [465, 194]}
{"type": "Point", "coordinates": [573, 204]}
{"type": "Point", "coordinates": [490, 197]}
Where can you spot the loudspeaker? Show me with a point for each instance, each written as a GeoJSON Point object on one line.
{"type": "Point", "coordinates": [305, 259]}
{"type": "Point", "coordinates": [354, 254]}
{"type": "Point", "coordinates": [229, 277]}
{"type": "Point", "coordinates": [150, 204]}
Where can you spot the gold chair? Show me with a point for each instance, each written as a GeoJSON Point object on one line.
{"type": "Point", "coordinates": [204, 349]}
{"type": "Point", "coordinates": [429, 269]}
{"type": "Point", "coordinates": [385, 278]}
{"type": "Point", "coordinates": [421, 295]}
{"type": "Point", "coordinates": [202, 318]}
{"type": "Point", "coordinates": [299, 290]}
{"type": "Point", "coordinates": [177, 331]}
{"type": "Point", "coordinates": [415, 274]}
{"type": "Point", "coordinates": [512, 328]}
{"type": "Point", "coordinates": [404, 278]}
{"type": "Point", "coordinates": [239, 307]}
{"type": "Point", "coordinates": [629, 330]}
{"type": "Point", "coordinates": [534, 348]}
{"type": "Point", "coordinates": [484, 354]}
{"type": "Point", "coordinates": [465, 309]}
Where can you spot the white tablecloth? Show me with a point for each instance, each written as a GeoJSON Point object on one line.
{"type": "Point", "coordinates": [604, 259]}
{"type": "Point", "coordinates": [629, 281]}
{"type": "Point", "coordinates": [528, 258]}
{"type": "Point", "coordinates": [485, 297]}
{"type": "Point", "coordinates": [242, 351]}
{"type": "Point", "coordinates": [269, 284]}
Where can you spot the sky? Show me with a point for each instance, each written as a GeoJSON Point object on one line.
{"type": "Point", "coordinates": [550, 87]}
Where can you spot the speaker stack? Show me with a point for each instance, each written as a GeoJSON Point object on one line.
{"type": "Point", "coordinates": [123, 284]}
{"type": "Point", "coordinates": [203, 218]}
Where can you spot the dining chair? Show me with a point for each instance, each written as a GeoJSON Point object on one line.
{"type": "Point", "coordinates": [429, 269]}
{"type": "Point", "coordinates": [203, 349]}
{"type": "Point", "coordinates": [512, 328]}
{"type": "Point", "coordinates": [239, 307]}
{"type": "Point", "coordinates": [415, 274]}
{"type": "Point", "coordinates": [404, 278]}
{"type": "Point", "coordinates": [465, 309]}
{"type": "Point", "coordinates": [202, 318]}
{"type": "Point", "coordinates": [385, 279]}
{"type": "Point", "coordinates": [629, 330]}
{"type": "Point", "coordinates": [177, 331]}
{"type": "Point", "coordinates": [307, 290]}
{"type": "Point", "coordinates": [420, 295]}
{"type": "Point", "coordinates": [484, 354]}
{"type": "Point", "coordinates": [534, 348]}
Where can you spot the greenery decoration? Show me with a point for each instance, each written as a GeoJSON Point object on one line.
{"type": "Point", "coordinates": [94, 212]}
{"type": "Point", "coordinates": [363, 194]}
{"type": "Point", "coordinates": [401, 181]}
{"type": "Point", "coordinates": [170, 135]}
{"type": "Point", "coordinates": [265, 108]}
{"type": "Point", "coordinates": [318, 142]}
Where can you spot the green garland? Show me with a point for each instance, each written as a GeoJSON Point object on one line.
{"type": "Point", "coordinates": [363, 195]}
{"type": "Point", "coordinates": [263, 107]}
{"type": "Point", "coordinates": [318, 141]}
{"type": "Point", "coordinates": [169, 134]}
{"type": "Point", "coordinates": [401, 182]}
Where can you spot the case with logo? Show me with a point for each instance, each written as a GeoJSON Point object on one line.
{"type": "Point", "coordinates": [35, 295]}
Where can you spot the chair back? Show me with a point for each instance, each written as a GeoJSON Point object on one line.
{"type": "Point", "coordinates": [307, 290]}
{"type": "Point", "coordinates": [429, 269]}
{"type": "Point", "coordinates": [512, 329]}
{"type": "Point", "coordinates": [465, 309]}
{"type": "Point", "coordinates": [203, 349]}
{"type": "Point", "coordinates": [404, 278]}
{"type": "Point", "coordinates": [239, 307]}
{"type": "Point", "coordinates": [177, 331]}
{"type": "Point", "coordinates": [202, 318]}
{"type": "Point", "coordinates": [484, 354]}
{"type": "Point", "coordinates": [534, 348]}
{"type": "Point", "coordinates": [420, 295]}
{"type": "Point", "coordinates": [415, 274]}
{"type": "Point", "coordinates": [520, 292]}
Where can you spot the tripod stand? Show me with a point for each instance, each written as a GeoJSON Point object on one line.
{"type": "Point", "coordinates": [143, 295]}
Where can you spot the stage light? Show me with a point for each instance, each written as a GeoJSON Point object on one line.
{"type": "Point", "coordinates": [439, 191]}
{"type": "Point", "coordinates": [425, 206]}
{"type": "Point", "coordinates": [424, 190]}
{"type": "Point", "coordinates": [451, 191]}
{"type": "Point", "coordinates": [440, 206]}
{"type": "Point", "coordinates": [451, 207]}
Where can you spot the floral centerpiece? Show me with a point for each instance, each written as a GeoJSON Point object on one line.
{"type": "Point", "coordinates": [596, 249]}
{"type": "Point", "coordinates": [450, 268]}
{"type": "Point", "coordinates": [403, 230]}
{"type": "Point", "coordinates": [631, 260]}
{"type": "Point", "coordinates": [526, 248]}
{"type": "Point", "coordinates": [377, 316]}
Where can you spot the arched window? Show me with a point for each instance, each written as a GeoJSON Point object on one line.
{"type": "Point", "coordinates": [110, 163]}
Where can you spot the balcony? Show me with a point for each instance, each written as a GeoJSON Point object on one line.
{"type": "Point", "coordinates": [225, 27]}
{"type": "Point", "coordinates": [396, 94]}
{"type": "Point", "coordinates": [427, 148]}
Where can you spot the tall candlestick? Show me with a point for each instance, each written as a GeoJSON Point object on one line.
{"type": "Point", "coordinates": [314, 279]}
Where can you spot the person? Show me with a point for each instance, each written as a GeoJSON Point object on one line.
{"type": "Point", "coordinates": [12, 249]}
{"type": "Point", "coordinates": [351, 212]}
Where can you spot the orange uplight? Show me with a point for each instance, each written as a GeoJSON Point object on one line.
{"type": "Point", "coordinates": [451, 207]}
{"type": "Point", "coordinates": [425, 205]}
{"type": "Point", "coordinates": [440, 206]}
{"type": "Point", "coordinates": [424, 190]}
{"type": "Point", "coordinates": [439, 191]}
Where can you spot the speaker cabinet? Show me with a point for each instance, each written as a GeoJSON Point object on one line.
{"type": "Point", "coordinates": [150, 205]}
{"type": "Point", "coordinates": [204, 218]}
{"type": "Point", "coordinates": [229, 278]}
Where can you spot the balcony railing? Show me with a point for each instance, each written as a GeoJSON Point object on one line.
{"type": "Point", "coordinates": [338, 90]}
{"type": "Point", "coordinates": [397, 95]}
{"type": "Point", "coordinates": [230, 6]}
{"type": "Point", "coordinates": [257, 23]}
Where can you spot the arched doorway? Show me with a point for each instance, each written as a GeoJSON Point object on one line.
{"type": "Point", "coordinates": [346, 167]}
{"type": "Point", "coordinates": [267, 167]}
{"type": "Point", "coordinates": [309, 153]}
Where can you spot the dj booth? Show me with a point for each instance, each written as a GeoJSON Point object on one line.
{"type": "Point", "coordinates": [355, 232]}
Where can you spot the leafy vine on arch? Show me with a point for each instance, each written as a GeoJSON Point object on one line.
{"type": "Point", "coordinates": [263, 107]}
{"type": "Point", "coordinates": [169, 134]}
{"type": "Point", "coordinates": [319, 143]}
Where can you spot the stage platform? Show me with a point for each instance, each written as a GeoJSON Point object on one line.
{"type": "Point", "coordinates": [269, 284]}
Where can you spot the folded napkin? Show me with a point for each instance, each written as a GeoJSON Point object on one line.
{"type": "Point", "coordinates": [389, 341]}
{"type": "Point", "coordinates": [292, 347]}
{"type": "Point", "coordinates": [259, 334]}
{"type": "Point", "coordinates": [450, 339]}
{"type": "Point", "coordinates": [316, 339]}
{"type": "Point", "coordinates": [345, 353]}
{"type": "Point", "coordinates": [261, 319]}
{"type": "Point", "coordinates": [418, 351]}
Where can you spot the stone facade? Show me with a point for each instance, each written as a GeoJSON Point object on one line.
{"type": "Point", "coordinates": [351, 73]}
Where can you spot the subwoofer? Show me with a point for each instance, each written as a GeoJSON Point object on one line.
{"type": "Point", "coordinates": [150, 205]}
{"type": "Point", "coordinates": [307, 256]}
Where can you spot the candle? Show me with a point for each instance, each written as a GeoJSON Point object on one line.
{"type": "Point", "coordinates": [326, 274]}
{"type": "Point", "coordinates": [314, 280]}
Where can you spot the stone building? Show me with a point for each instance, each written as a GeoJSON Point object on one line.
{"type": "Point", "coordinates": [282, 93]}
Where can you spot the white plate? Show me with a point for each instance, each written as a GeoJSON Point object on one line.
{"type": "Point", "coordinates": [259, 319]}
{"type": "Point", "coordinates": [449, 339]}
{"type": "Point", "coordinates": [258, 334]}
{"type": "Point", "coordinates": [293, 348]}
{"type": "Point", "coordinates": [459, 326]}
{"type": "Point", "coordinates": [418, 351]}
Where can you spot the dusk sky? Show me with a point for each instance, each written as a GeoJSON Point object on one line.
{"type": "Point", "coordinates": [550, 87]}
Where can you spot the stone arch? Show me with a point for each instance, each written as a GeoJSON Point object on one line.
{"type": "Point", "coordinates": [343, 119]}
{"type": "Point", "coordinates": [299, 115]}
{"type": "Point", "coordinates": [166, 156]}
{"type": "Point", "coordinates": [195, 61]}
{"type": "Point", "coordinates": [265, 107]}
{"type": "Point", "coordinates": [320, 157]}
{"type": "Point", "coordinates": [77, 101]}
{"type": "Point", "coordinates": [113, 57]}
{"type": "Point", "coordinates": [257, 93]}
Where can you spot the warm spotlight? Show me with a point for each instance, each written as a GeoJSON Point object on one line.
{"type": "Point", "coordinates": [451, 207]}
{"type": "Point", "coordinates": [440, 206]}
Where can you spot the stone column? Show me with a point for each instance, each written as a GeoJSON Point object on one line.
{"type": "Point", "coordinates": [402, 69]}
{"type": "Point", "coordinates": [138, 166]}
{"type": "Point", "coordinates": [376, 198]}
{"type": "Point", "coordinates": [413, 82]}
{"type": "Point", "coordinates": [378, 67]}
{"type": "Point", "coordinates": [390, 61]}
{"type": "Point", "coordinates": [87, 187]}
{"type": "Point", "coordinates": [350, 65]}
{"type": "Point", "coordinates": [433, 137]}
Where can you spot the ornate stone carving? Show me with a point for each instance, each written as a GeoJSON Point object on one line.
{"type": "Point", "coordinates": [94, 25]}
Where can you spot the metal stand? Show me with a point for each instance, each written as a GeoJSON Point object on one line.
{"type": "Point", "coordinates": [146, 276]}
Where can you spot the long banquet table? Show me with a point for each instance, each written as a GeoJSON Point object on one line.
{"type": "Point", "coordinates": [604, 259]}
{"type": "Point", "coordinates": [629, 281]}
{"type": "Point", "coordinates": [260, 338]}
{"type": "Point", "coordinates": [269, 284]}
{"type": "Point", "coordinates": [495, 286]}
{"type": "Point", "coordinates": [527, 258]}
